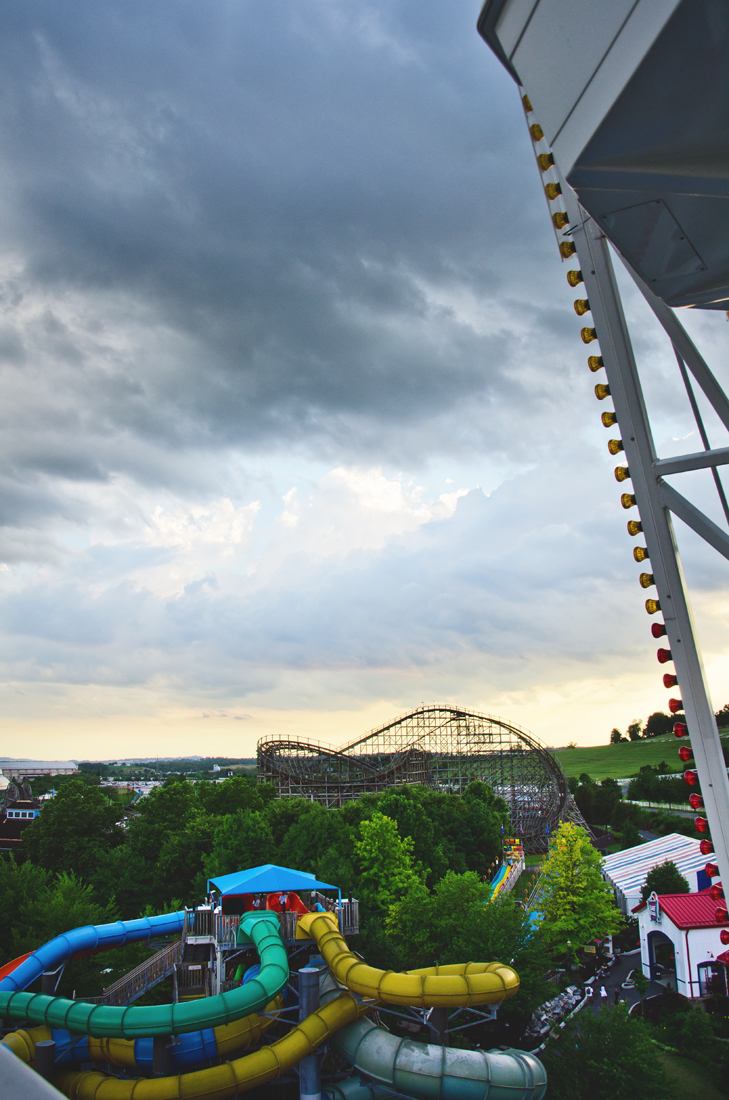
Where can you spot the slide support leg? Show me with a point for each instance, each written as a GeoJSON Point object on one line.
{"type": "Point", "coordinates": [309, 1069]}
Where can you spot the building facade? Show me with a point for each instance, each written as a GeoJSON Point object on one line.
{"type": "Point", "coordinates": [681, 943]}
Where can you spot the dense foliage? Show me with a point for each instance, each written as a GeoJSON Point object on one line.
{"type": "Point", "coordinates": [609, 1056]}
{"type": "Point", "coordinates": [664, 879]}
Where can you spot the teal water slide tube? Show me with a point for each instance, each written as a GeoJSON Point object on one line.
{"type": "Point", "coordinates": [261, 929]}
{"type": "Point", "coordinates": [425, 1071]}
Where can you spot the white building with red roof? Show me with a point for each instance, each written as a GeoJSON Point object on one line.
{"type": "Point", "coordinates": [683, 942]}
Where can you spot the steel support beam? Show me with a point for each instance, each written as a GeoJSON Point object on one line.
{"type": "Point", "coordinates": [654, 499]}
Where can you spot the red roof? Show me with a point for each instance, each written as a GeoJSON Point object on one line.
{"type": "Point", "coordinates": [691, 910]}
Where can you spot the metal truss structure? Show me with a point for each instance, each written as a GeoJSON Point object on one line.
{"type": "Point", "coordinates": [621, 164]}
{"type": "Point", "coordinates": [442, 747]}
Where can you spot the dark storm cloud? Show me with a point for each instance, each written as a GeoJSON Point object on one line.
{"type": "Point", "coordinates": [243, 207]}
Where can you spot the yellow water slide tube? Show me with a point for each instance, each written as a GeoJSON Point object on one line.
{"type": "Point", "coordinates": [460, 985]}
{"type": "Point", "coordinates": [229, 1079]}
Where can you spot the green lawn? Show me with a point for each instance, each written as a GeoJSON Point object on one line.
{"type": "Point", "coordinates": [627, 758]}
{"type": "Point", "coordinates": [690, 1080]}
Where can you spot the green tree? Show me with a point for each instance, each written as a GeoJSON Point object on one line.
{"type": "Point", "coordinates": [658, 724]}
{"type": "Point", "coordinates": [664, 879]}
{"type": "Point", "coordinates": [229, 796]}
{"type": "Point", "coordinates": [631, 835]}
{"type": "Point", "coordinates": [384, 861]}
{"type": "Point", "coordinates": [241, 840]}
{"type": "Point", "coordinates": [74, 831]}
{"type": "Point", "coordinates": [455, 922]}
{"type": "Point", "coordinates": [316, 836]}
{"type": "Point", "coordinates": [578, 905]}
{"type": "Point", "coordinates": [641, 983]}
{"type": "Point", "coordinates": [22, 888]}
{"type": "Point", "coordinates": [609, 1056]}
{"type": "Point", "coordinates": [634, 730]}
{"type": "Point", "coordinates": [616, 737]}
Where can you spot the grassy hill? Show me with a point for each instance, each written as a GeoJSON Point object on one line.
{"type": "Point", "coordinates": [625, 759]}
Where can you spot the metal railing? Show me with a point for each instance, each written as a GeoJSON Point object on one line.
{"type": "Point", "coordinates": [142, 978]}
{"type": "Point", "coordinates": [199, 922]}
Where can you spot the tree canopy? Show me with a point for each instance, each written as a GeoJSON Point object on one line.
{"type": "Point", "coordinates": [664, 879]}
{"type": "Point", "coordinates": [609, 1056]}
{"type": "Point", "coordinates": [578, 905]}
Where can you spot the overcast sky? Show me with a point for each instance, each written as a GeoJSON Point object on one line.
{"type": "Point", "coordinates": [297, 430]}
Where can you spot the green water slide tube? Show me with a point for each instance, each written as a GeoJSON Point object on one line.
{"type": "Point", "coordinates": [262, 930]}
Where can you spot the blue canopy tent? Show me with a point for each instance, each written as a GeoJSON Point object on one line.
{"type": "Point", "coordinates": [268, 879]}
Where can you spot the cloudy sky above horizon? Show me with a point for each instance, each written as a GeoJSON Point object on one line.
{"type": "Point", "coordinates": [297, 430]}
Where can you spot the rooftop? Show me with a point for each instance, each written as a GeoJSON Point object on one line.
{"type": "Point", "coordinates": [627, 870]}
{"type": "Point", "coordinates": [688, 910]}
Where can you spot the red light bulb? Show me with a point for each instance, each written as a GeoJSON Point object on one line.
{"type": "Point", "coordinates": [680, 729]}
{"type": "Point", "coordinates": [724, 936]}
{"type": "Point", "coordinates": [675, 705]}
{"type": "Point", "coordinates": [663, 656]}
{"type": "Point", "coordinates": [706, 847]}
{"type": "Point", "coordinates": [711, 870]}
{"type": "Point", "coordinates": [658, 630]}
{"type": "Point", "coordinates": [685, 754]}
{"type": "Point", "coordinates": [721, 915]}
{"type": "Point", "coordinates": [716, 892]}
{"type": "Point", "coordinates": [702, 825]}
{"type": "Point", "coordinates": [696, 801]}
{"type": "Point", "coordinates": [691, 776]}
{"type": "Point", "coordinates": [669, 681]}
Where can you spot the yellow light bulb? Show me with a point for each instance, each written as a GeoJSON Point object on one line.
{"type": "Point", "coordinates": [567, 249]}
{"type": "Point", "coordinates": [647, 580]}
{"type": "Point", "coordinates": [627, 500]}
{"type": "Point", "coordinates": [536, 131]}
{"type": "Point", "coordinates": [602, 391]}
{"type": "Point", "coordinates": [582, 306]}
{"type": "Point", "coordinates": [545, 161]}
{"type": "Point", "coordinates": [526, 103]}
{"type": "Point", "coordinates": [553, 191]}
{"type": "Point", "coordinates": [588, 335]}
{"type": "Point", "coordinates": [634, 527]}
{"type": "Point", "coordinates": [595, 362]}
{"type": "Point", "coordinates": [560, 220]}
{"type": "Point", "coordinates": [641, 553]}
{"type": "Point", "coordinates": [622, 473]}
{"type": "Point", "coordinates": [615, 446]}
{"type": "Point", "coordinates": [608, 419]}
{"type": "Point", "coordinates": [652, 606]}
{"type": "Point", "coordinates": [574, 278]}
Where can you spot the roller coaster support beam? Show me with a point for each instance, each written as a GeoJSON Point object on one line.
{"type": "Point", "coordinates": [656, 500]}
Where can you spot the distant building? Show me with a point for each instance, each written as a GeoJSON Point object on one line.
{"type": "Point", "coordinates": [30, 769]}
{"type": "Point", "coordinates": [681, 943]}
{"type": "Point", "coordinates": [17, 811]}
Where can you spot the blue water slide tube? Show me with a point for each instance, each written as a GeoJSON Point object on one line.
{"type": "Point", "coordinates": [87, 941]}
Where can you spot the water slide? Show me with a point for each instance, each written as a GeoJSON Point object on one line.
{"type": "Point", "coordinates": [413, 1068]}
{"type": "Point", "coordinates": [228, 1079]}
{"type": "Point", "coordinates": [260, 929]}
{"type": "Point", "coordinates": [190, 1050]}
{"type": "Point", "coordinates": [458, 986]}
{"type": "Point", "coordinates": [498, 881]}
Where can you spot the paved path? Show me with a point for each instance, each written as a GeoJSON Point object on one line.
{"type": "Point", "coordinates": [616, 975]}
